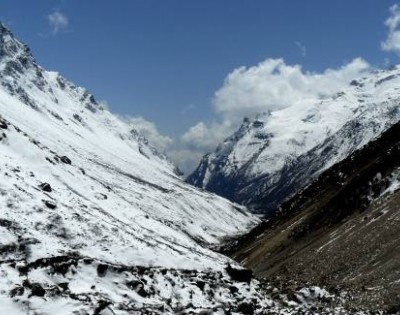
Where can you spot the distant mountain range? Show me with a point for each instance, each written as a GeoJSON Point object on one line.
{"type": "Point", "coordinates": [274, 155]}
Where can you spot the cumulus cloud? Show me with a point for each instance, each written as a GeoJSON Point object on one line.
{"type": "Point", "coordinates": [392, 42]}
{"type": "Point", "coordinates": [186, 159]}
{"type": "Point", "coordinates": [185, 154]}
{"type": "Point", "coordinates": [58, 22]}
{"type": "Point", "coordinates": [149, 130]}
{"type": "Point", "coordinates": [271, 85]}
{"type": "Point", "coordinates": [199, 136]}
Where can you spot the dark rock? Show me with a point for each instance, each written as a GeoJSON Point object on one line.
{"type": "Point", "coordinates": [65, 160]}
{"type": "Point", "coordinates": [45, 187]}
{"type": "Point", "coordinates": [62, 267]}
{"type": "Point", "coordinates": [246, 308]}
{"type": "Point", "coordinates": [50, 204]}
{"type": "Point", "coordinates": [37, 290]}
{"type": "Point", "coordinates": [133, 284]}
{"type": "Point", "coordinates": [201, 285]}
{"type": "Point", "coordinates": [90, 107]}
{"type": "Point", "coordinates": [3, 125]}
{"type": "Point", "coordinates": [6, 223]}
{"type": "Point", "coordinates": [142, 292]}
{"type": "Point", "coordinates": [78, 118]}
{"type": "Point", "coordinates": [233, 289]}
{"type": "Point", "coordinates": [102, 305]}
{"type": "Point", "coordinates": [138, 287]}
{"type": "Point", "coordinates": [64, 286]}
{"type": "Point", "coordinates": [102, 270]}
{"type": "Point", "coordinates": [240, 275]}
{"type": "Point", "coordinates": [356, 83]}
{"type": "Point", "coordinates": [17, 291]}
{"type": "Point", "coordinates": [87, 261]}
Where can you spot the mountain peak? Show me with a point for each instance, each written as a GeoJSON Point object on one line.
{"type": "Point", "coordinates": [10, 47]}
{"type": "Point", "coordinates": [3, 28]}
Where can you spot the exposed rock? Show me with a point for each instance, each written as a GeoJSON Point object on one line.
{"type": "Point", "coordinates": [17, 291]}
{"type": "Point", "coordinates": [246, 308]}
{"type": "Point", "coordinates": [64, 286]}
{"type": "Point", "coordinates": [3, 124]}
{"type": "Point", "coordinates": [201, 284]}
{"type": "Point", "coordinates": [102, 270]}
{"type": "Point", "coordinates": [50, 204]}
{"type": "Point", "coordinates": [37, 290]}
{"type": "Point", "coordinates": [241, 275]}
{"type": "Point", "coordinates": [65, 160]}
{"type": "Point", "coordinates": [45, 187]}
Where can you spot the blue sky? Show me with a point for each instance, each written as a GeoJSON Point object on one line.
{"type": "Point", "coordinates": [165, 59]}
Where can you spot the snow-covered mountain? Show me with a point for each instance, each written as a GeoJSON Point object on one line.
{"type": "Point", "coordinates": [278, 153]}
{"type": "Point", "coordinates": [81, 192]}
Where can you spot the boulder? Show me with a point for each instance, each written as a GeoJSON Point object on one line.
{"type": "Point", "coordinates": [65, 160]}
{"type": "Point", "coordinates": [45, 187]}
{"type": "Point", "coordinates": [37, 290]}
{"type": "Point", "coordinates": [240, 275]}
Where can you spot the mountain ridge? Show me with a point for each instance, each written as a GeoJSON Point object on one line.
{"type": "Point", "coordinates": [258, 166]}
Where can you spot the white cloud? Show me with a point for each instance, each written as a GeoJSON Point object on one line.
{"type": "Point", "coordinates": [302, 48]}
{"type": "Point", "coordinates": [58, 22]}
{"type": "Point", "coordinates": [188, 109]}
{"type": "Point", "coordinates": [199, 136]}
{"type": "Point", "coordinates": [273, 84]}
{"type": "Point", "coordinates": [269, 86]}
{"type": "Point", "coordinates": [186, 159]}
{"type": "Point", "coordinates": [185, 154]}
{"type": "Point", "coordinates": [149, 130]}
{"type": "Point", "coordinates": [392, 42]}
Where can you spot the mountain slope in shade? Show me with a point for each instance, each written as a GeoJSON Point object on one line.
{"type": "Point", "coordinates": [342, 231]}
{"type": "Point", "coordinates": [276, 154]}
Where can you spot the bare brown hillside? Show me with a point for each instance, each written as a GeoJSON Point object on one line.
{"type": "Point", "coordinates": [341, 231]}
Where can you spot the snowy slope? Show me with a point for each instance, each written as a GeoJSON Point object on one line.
{"type": "Point", "coordinates": [78, 183]}
{"type": "Point", "coordinates": [117, 188]}
{"type": "Point", "coordinates": [277, 153]}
